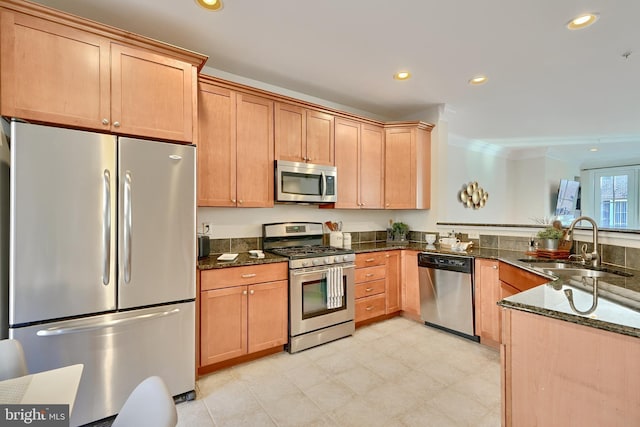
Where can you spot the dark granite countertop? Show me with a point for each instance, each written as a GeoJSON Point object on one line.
{"type": "Point", "coordinates": [618, 307]}
{"type": "Point", "coordinates": [243, 259]}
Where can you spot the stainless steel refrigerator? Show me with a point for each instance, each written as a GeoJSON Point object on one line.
{"type": "Point", "coordinates": [101, 259]}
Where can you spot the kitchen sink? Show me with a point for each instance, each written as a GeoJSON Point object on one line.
{"type": "Point", "coordinates": [563, 269]}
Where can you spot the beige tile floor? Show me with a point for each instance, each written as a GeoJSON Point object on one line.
{"type": "Point", "coordinates": [392, 373]}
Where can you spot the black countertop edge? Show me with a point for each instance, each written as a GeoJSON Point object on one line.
{"type": "Point", "coordinates": [579, 320]}
{"type": "Point", "coordinates": [244, 259]}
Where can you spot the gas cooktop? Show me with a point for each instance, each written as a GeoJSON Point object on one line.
{"type": "Point", "coordinates": [309, 251]}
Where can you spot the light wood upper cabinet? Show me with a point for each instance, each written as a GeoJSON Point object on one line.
{"type": "Point", "coordinates": [38, 84]}
{"type": "Point", "coordinates": [360, 163]}
{"type": "Point", "coordinates": [151, 95]}
{"type": "Point", "coordinates": [254, 156]}
{"type": "Point", "coordinates": [56, 69]}
{"type": "Point", "coordinates": [407, 172]}
{"type": "Point", "coordinates": [216, 146]}
{"type": "Point", "coordinates": [303, 135]}
{"type": "Point", "coordinates": [235, 148]}
{"type": "Point", "coordinates": [487, 294]}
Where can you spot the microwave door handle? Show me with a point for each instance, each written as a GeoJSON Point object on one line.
{"type": "Point", "coordinates": [323, 185]}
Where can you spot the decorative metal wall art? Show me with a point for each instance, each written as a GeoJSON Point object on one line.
{"type": "Point", "coordinates": [473, 196]}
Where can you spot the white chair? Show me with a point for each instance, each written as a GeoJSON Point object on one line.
{"type": "Point", "coordinates": [148, 405]}
{"type": "Point", "coordinates": [13, 362]}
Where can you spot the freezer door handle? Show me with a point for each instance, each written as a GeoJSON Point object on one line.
{"type": "Point", "coordinates": [106, 227]}
{"type": "Point", "coordinates": [116, 322]}
{"type": "Point", "coordinates": [127, 227]}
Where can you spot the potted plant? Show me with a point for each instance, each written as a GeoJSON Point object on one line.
{"type": "Point", "coordinates": [551, 237]}
{"type": "Point", "coordinates": [400, 231]}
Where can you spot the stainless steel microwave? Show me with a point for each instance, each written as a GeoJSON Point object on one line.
{"type": "Point", "coordinates": [305, 182]}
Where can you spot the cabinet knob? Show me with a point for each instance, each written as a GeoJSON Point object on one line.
{"type": "Point", "coordinates": [105, 121]}
{"type": "Point", "coordinates": [244, 292]}
{"type": "Point", "coordinates": [116, 124]}
{"type": "Point", "coordinates": [251, 292]}
{"type": "Point", "coordinates": [495, 267]}
{"type": "Point", "coordinates": [387, 205]}
{"type": "Point", "coordinates": [233, 200]}
{"type": "Point", "coordinates": [240, 201]}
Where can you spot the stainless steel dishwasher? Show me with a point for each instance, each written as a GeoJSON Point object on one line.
{"type": "Point", "coordinates": [446, 293]}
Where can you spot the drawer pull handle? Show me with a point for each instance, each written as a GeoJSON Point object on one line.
{"type": "Point", "coordinates": [247, 276]}
{"type": "Point", "coordinates": [369, 275]}
{"type": "Point", "coordinates": [370, 259]}
{"type": "Point", "coordinates": [369, 289]}
{"type": "Point", "coordinates": [369, 308]}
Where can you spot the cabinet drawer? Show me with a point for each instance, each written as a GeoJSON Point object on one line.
{"type": "Point", "coordinates": [371, 273]}
{"type": "Point", "coordinates": [234, 276]}
{"type": "Point", "coordinates": [367, 308]}
{"type": "Point", "coordinates": [370, 259]}
{"type": "Point", "coordinates": [370, 288]}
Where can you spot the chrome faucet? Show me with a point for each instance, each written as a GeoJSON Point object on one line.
{"type": "Point", "coordinates": [595, 255]}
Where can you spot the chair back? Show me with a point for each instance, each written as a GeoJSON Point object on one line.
{"type": "Point", "coordinates": [149, 404]}
{"type": "Point", "coordinates": [13, 362]}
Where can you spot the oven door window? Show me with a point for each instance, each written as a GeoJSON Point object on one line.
{"type": "Point", "coordinates": [302, 183]}
{"type": "Point", "coordinates": [315, 298]}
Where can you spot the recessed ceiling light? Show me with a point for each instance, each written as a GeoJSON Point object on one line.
{"type": "Point", "coordinates": [402, 75]}
{"type": "Point", "coordinates": [478, 80]}
{"type": "Point", "coordinates": [582, 21]}
{"type": "Point", "coordinates": [210, 4]}
{"type": "Point", "coordinates": [593, 149]}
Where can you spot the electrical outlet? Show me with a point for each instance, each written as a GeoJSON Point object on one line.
{"type": "Point", "coordinates": [207, 230]}
{"type": "Point", "coordinates": [474, 235]}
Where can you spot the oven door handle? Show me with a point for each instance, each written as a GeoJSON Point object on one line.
{"type": "Point", "coordinates": [323, 270]}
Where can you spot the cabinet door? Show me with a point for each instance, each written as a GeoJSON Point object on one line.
{"type": "Point", "coordinates": [254, 157]}
{"type": "Point", "coordinates": [410, 285]}
{"type": "Point", "coordinates": [268, 315]}
{"type": "Point", "coordinates": [151, 95]}
{"type": "Point", "coordinates": [223, 324]}
{"type": "Point", "coordinates": [216, 146]}
{"type": "Point", "coordinates": [290, 132]}
{"type": "Point", "coordinates": [371, 165]}
{"type": "Point", "coordinates": [392, 284]}
{"type": "Point", "coordinates": [53, 73]}
{"type": "Point", "coordinates": [400, 169]}
{"type": "Point", "coordinates": [487, 294]}
{"type": "Point", "coordinates": [320, 138]}
{"type": "Point", "coordinates": [347, 140]}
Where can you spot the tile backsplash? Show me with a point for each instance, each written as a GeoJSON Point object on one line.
{"type": "Point", "coordinates": [614, 255]}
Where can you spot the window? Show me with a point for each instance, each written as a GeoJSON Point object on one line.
{"type": "Point", "coordinates": [614, 196]}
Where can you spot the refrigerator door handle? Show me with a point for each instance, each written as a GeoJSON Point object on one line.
{"type": "Point", "coordinates": [106, 227]}
{"type": "Point", "coordinates": [127, 227]}
{"type": "Point", "coordinates": [117, 322]}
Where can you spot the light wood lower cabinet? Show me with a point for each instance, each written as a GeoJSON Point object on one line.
{"type": "Point", "coordinates": [410, 284]}
{"type": "Point", "coordinates": [558, 373]}
{"type": "Point", "coordinates": [493, 281]}
{"type": "Point", "coordinates": [392, 282]}
{"type": "Point", "coordinates": [237, 318]}
{"type": "Point", "coordinates": [487, 294]}
{"type": "Point", "coordinates": [370, 285]}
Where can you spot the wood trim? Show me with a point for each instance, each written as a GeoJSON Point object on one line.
{"type": "Point", "coordinates": [306, 104]}
{"type": "Point", "coordinates": [204, 370]}
{"type": "Point", "coordinates": [113, 33]}
{"type": "Point", "coordinates": [377, 319]}
{"type": "Point", "coordinates": [505, 374]}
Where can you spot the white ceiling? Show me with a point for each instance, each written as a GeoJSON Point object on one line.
{"type": "Point", "coordinates": [548, 86]}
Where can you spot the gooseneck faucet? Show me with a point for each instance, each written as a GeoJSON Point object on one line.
{"type": "Point", "coordinates": [595, 255]}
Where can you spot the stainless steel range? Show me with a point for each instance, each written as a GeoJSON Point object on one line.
{"type": "Point", "coordinates": [321, 283]}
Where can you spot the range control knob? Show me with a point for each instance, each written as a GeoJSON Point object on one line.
{"type": "Point", "coordinates": [317, 261]}
{"type": "Point", "coordinates": [305, 263]}
{"type": "Point", "coordinates": [328, 260]}
{"type": "Point", "coordinates": [336, 259]}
